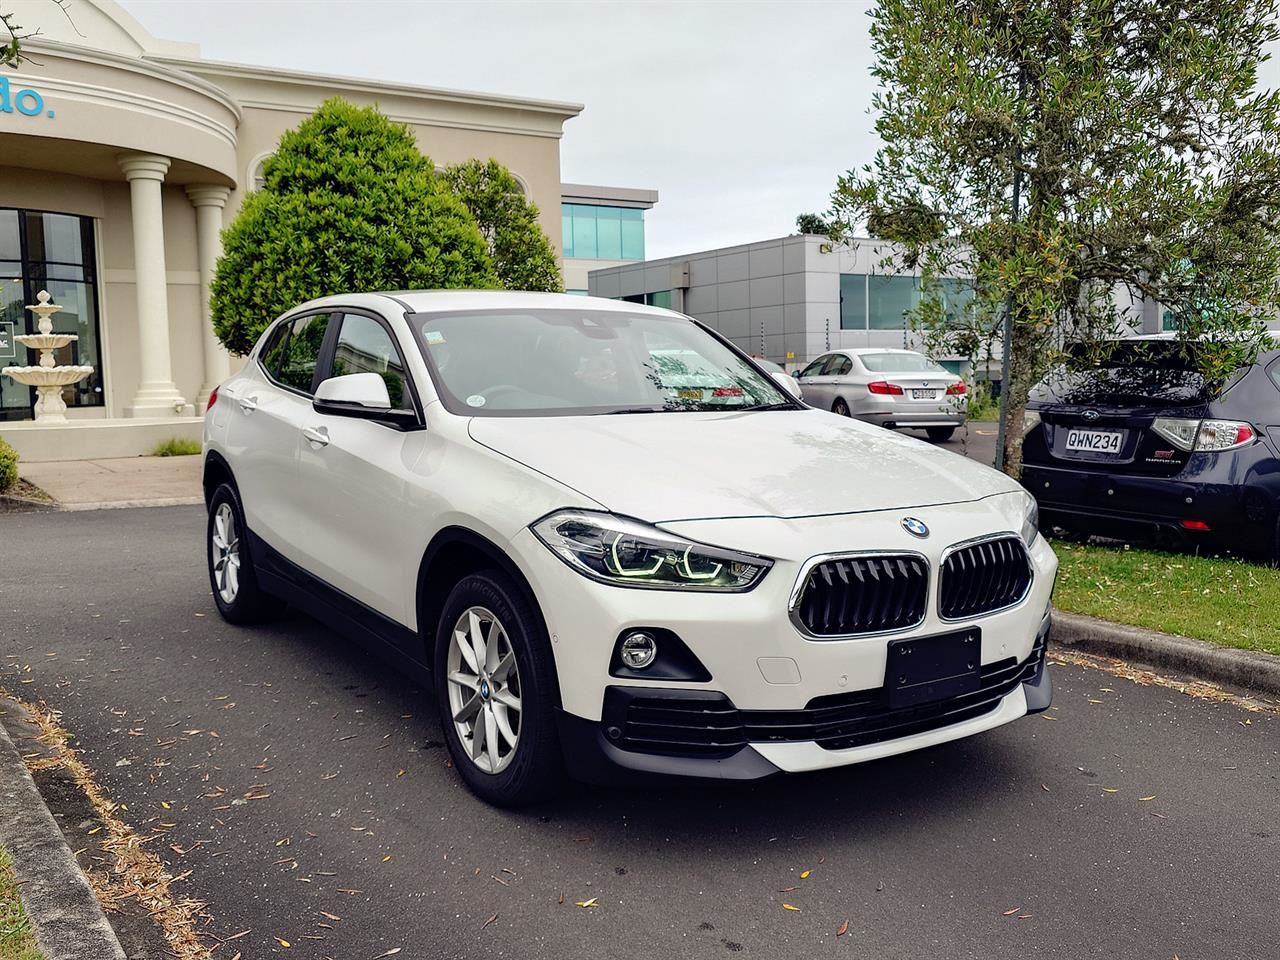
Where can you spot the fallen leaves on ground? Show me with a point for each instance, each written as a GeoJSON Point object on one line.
{"type": "Point", "coordinates": [586, 903]}
{"type": "Point", "coordinates": [787, 906]}
{"type": "Point", "coordinates": [842, 929]}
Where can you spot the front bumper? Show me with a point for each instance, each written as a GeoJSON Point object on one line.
{"type": "Point", "coordinates": [711, 739]}
{"type": "Point", "coordinates": [758, 660]}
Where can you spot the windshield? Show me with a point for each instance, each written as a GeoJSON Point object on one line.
{"type": "Point", "coordinates": [900, 363]}
{"type": "Point", "coordinates": [571, 362]}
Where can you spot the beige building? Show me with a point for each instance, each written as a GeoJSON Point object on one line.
{"type": "Point", "coordinates": [121, 158]}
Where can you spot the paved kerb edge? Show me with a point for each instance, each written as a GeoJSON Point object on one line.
{"type": "Point", "coordinates": [1252, 670]}
{"type": "Point", "coordinates": [65, 914]}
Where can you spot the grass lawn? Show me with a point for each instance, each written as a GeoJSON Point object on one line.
{"type": "Point", "coordinates": [16, 939]}
{"type": "Point", "coordinates": [1230, 602]}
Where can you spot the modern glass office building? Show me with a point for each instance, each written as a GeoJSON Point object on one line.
{"type": "Point", "coordinates": [600, 227]}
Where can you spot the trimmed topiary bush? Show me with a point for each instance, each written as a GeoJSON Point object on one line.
{"type": "Point", "coordinates": [350, 204]}
{"type": "Point", "coordinates": [8, 466]}
{"type": "Point", "coordinates": [522, 253]}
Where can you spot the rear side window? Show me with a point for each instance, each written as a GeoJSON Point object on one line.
{"type": "Point", "coordinates": [839, 366]}
{"type": "Point", "coordinates": [293, 352]}
{"type": "Point", "coordinates": [1273, 372]}
{"type": "Point", "coordinates": [365, 346]}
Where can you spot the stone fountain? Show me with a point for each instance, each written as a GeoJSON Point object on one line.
{"type": "Point", "coordinates": [47, 378]}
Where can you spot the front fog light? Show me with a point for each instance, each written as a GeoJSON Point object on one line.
{"type": "Point", "coordinates": [638, 650]}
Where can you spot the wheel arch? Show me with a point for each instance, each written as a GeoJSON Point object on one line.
{"type": "Point", "coordinates": [217, 472]}
{"type": "Point", "coordinates": [456, 552]}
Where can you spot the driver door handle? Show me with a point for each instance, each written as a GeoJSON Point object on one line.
{"type": "Point", "coordinates": [248, 404]}
{"type": "Point", "coordinates": [317, 435]}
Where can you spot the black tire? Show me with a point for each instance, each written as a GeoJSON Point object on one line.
{"type": "Point", "coordinates": [840, 407]}
{"type": "Point", "coordinates": [534, 768]}
{"type": "Point", "coordinates": [940, 434]}
{"type": "Point", "coordinates": [249, 603]}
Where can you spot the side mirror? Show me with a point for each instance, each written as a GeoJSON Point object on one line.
{"type": "Point", "coordinates": [788, 383]}
{"type": "Point", "coordinates": [363, 396]}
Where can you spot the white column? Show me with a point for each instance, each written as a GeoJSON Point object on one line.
{"type": "Point", "coordinates": [209, 202]}
{"type": "Point", "coordinates": [157, 394]}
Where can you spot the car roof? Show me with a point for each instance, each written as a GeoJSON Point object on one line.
{"type": "Point", "coordinates": [449, 301]}
{"type": "Point", "coordinates": [861, 351]}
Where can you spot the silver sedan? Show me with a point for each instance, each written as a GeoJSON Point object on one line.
{"type": "Point", "coordinates": [891, 388]}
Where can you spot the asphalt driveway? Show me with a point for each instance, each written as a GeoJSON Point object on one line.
{"type": "Point", "coordinates": [304, 779]}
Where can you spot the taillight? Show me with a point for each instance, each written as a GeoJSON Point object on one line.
{"type": "Point", "coordinates": [884, 389]}
{"type": "Point", "coordinates": [213, 398]}
{"type": "Point", "coordinates": [957, 389]}
{"type": "Point", "coordinates": [1204, 435]}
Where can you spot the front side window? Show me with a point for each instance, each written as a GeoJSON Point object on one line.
{"type": "Point", "coordinates": [815, 369]}
{"type": "Point", "coordinates": [365, 346]}
{"type": "Point", "coordinates": [571, 363]}
{"type": "Point", "coordinates": [292, 354]}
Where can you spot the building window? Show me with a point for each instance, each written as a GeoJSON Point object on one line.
{"type": "Point", "coordinates": [54, 252]}
{"type": "Point", "coordinates": [659, 298]}
{"type": "Point", "coordinates": [889, 300]}
{"type": "Point", "coordinates": [579, 293]}
{"type": "Point", "coordinates": [853, 301]}
{"type": "Point", "coordinates": [602, 233]}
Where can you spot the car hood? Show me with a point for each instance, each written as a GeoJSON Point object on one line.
{"type": "Point", "coordinates": [779, 463]}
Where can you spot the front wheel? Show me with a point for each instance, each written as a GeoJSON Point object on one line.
{"type": "Point", "coordinates": [940, 434]}
{"type": "Point", "coordinates": [232, 578]}
{"type": "Point", "coordinates": [495, 688]}
{"type": "Point", "coordinates": [840, 407]}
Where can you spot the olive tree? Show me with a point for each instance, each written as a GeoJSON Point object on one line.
{"type": "Point", "coordinates": [1144, 152]}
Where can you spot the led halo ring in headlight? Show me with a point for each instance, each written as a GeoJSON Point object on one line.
{"type": "Point", "coordinates": [629, 553]}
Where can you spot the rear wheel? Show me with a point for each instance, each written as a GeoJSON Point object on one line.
{"type": "Point", "coordinates": [940, 434]}
{"type": "Point", "coordinates": [495, 686]}
{"type": "Point", "coordinates": [840, 407]}
{"type": "Point", "coordinates": [232, 578]}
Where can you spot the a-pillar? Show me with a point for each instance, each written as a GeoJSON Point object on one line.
{"type": "Point", "coordinates": [157, 394]}
{"type": "Point", "coordinates": [209, 202]}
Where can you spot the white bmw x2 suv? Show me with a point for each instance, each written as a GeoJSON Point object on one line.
{"type": "Point", "coordinates": [615, 544]}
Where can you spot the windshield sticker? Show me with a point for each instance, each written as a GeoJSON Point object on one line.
{"type": "Point", "coordinates": [433, 337]}
{"type": "Point", "coordinates": [475, 400]}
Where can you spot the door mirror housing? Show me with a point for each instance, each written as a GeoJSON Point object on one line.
{"type": "Point", "coordinates": [788, 383]}
{"type": "Point", "coordinates": [363, 396]}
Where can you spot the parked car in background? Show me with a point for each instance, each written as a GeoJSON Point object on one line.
{"type": "Point", "coordinates": [890, 388]}
{"type": "Point", "coordinates": [616, 544]}
{"type": "Point", "coordinates": [1144, 444]}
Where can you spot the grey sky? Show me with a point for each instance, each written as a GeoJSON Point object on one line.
{"type": "Point", "coordinates": [741, 114]}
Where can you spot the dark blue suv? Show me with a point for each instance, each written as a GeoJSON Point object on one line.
{"type": "Point", "coordinates": [1145, 444]}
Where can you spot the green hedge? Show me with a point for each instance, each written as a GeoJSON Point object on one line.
{"type": "Point", "coordinates": [8, 466]}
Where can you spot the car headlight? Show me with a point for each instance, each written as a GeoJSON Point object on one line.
{"type": "Point", "coordinates": [1030, 520]}
{"type": "Point", "coordinates": [628, 553]}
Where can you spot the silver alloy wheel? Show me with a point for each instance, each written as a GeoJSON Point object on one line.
{"type": "Point", "coordinates": [484, 689]}
{"type": "Point", "coordinates": [224, 553]}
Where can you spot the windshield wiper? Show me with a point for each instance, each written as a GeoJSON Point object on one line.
{"type": "Point", "coordinates": [771, 406]}
{"type": "Point", "coordinates": [634, 410]}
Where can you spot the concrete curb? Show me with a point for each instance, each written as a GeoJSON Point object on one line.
{"type": "Point", "coordinates": [129, 504]}
{"type": "Point", "coordinates": [67, 919]}
{"type": "Point", "coordinates": [1259, 672]}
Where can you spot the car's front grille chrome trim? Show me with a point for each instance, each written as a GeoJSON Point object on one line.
{"type": "Point", "coordinates": [860, 594]}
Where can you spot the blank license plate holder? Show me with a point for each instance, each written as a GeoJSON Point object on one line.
{"type": "Point", "coordinates": [927, 669]}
